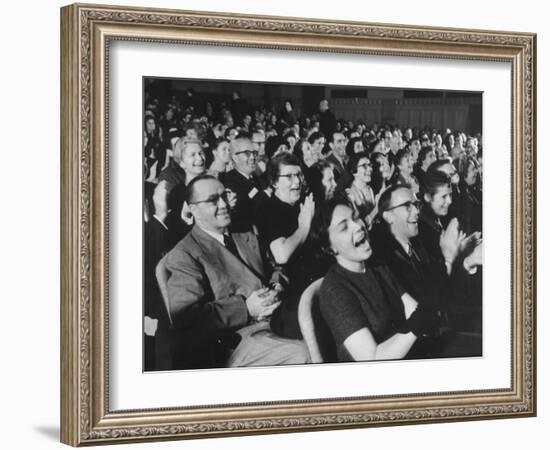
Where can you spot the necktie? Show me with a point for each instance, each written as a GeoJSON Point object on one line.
{"type": "Point", "coordinates": [230, 245]}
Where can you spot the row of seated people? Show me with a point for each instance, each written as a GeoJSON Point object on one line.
{"type": "Point", "coordinates": [239, 248]}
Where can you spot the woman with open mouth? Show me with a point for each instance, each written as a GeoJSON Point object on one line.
{"type": "Point", "coordinates": [284, 226]}
{"type": "Point", "coordinates": [368, 314]}
{"type": "Point", "coordinates": [404, 174]}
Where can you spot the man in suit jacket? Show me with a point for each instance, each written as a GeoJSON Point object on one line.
{"type": "Point", "coordinates": [429, 280]}
{"type": "Point", "coordinates": [338, 156]}
{"type": "Point", "coordinates": [216, 289]}
{"type": "Point", "coordinates": [244, 183]}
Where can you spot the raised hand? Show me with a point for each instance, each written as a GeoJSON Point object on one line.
{"type": "Point", "coordinates": [231, 198]}
{"type": "Point", "coordinates": [449, 242]}
{"type": "Point", "coordinates": [307, 209]}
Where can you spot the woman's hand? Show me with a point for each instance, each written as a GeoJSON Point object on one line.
{"type": "Point", "coordinates": [307, 210]}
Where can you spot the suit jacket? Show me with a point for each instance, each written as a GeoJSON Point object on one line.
{"type": "Point", "coordinates": [242, 215]}
{"type": "Point", "coordinates": [208, 285]}
{"type": "Point", "coordinates": [422, 276]}
{"type": "Point", "coordinates": [339, 168]}
{"type": "Point", "coordinates": [429, 232]}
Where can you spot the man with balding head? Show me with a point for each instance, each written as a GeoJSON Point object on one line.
{"type": "Point", "coordinates": [217, 299]}
{"type": "Point", "coordinates": [243, 181]}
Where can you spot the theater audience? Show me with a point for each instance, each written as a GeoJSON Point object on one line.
{"type": "Point", "coordinates": [243, 242]}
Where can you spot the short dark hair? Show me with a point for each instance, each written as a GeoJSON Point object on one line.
{"type": "Point", "coordinates": [384, 202]}
{"type": "Point", "coordinates": [464, 164]}
{"type": "Point", "coordinates": [354, 161]}
{"type": "Point", "coordinates": [423, 152]}
{"type": "Point", "coordinates": [272, 143]}
{"type": "Point", "coordinates": [315, 179]}
{"type": "Point", "coordinates": [437, 165]}
{"type": "Point", "coordinates": [331, 139]}
{"type": "Point", "coordinates": [350, 147]}
{"type": "Point", "coordinates": [321, 222]}
{"type": "Point", "coordinates": [316, 135]}
{"type": "Point", "coordinates": [401, 154]}
{"type": "Point", "coordinates": [433, 180]}
{"type": "Point", "coordinates": [190, 189]}
{"type": "Point", "coordinates": [274, 166]}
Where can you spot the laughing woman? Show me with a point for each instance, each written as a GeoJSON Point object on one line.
{"type": "Point", "coordinates": [284, 228]}
{"type": "Point", "coordinates": [368, 314]}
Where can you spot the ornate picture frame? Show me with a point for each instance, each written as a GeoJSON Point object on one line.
{"type": "Point", "coordinates": [87, 31]}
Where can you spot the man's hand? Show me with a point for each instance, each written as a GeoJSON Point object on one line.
{"type": "Point", "coordinates": [475, 258]}
{"type": "Point", "coordinates": [468, 244]}
{"type": "Point", "coordinates": [449, 241]}
{"type": "Point", "coordinates": [262, 303]}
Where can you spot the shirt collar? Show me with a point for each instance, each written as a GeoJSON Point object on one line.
{"type": "Point", "coordinates": [248, 177]}
{"type": "Point", "coordinates": [217, 236]}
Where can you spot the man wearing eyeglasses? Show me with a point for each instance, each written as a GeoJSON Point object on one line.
{"type": "Point", "coordinates": [428, 280]}
{"type": "Point", "coordinates": [216, 292]}
{"type": "Point", "coordinates": [244, 183]}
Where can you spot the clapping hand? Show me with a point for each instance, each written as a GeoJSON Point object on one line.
{"type": "Point", "coordinates": [450, 241]}
{"type": "Point", "coordinates": [468, 244]}
{"type": "Point", "coordinates": [475, 258]}
{"type": "Point", "coordinates": [262, 303]}
{"type": "Point", "coordinates": [231, 198]}
{"type": "Point", "coordinates": [307, 209]}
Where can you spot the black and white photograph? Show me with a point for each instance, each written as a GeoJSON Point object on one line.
{"type": "Point", "coordinates": [290, 224]}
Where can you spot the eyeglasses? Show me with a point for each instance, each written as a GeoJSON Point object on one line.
{"type": "Point", "coordinates": [409, 205]}
{"type": "Point", "coordinates": [259, 142]}
{"type": "Point", "coordinates": [215, 198]}
{"type": "Point", "coordinates": [293, 176]}
{"type": "Point", "coordinates": [248, 153]}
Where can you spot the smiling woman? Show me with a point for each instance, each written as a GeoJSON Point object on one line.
{"type": "Point", "coordinates": [368, 313]}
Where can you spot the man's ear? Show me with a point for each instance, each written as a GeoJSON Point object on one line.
{"type": "Point", "coordinates": [387, 217]}
{"type": "Point", "coordinates": [427, 197]}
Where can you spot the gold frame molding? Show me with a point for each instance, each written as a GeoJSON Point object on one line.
{"type": "Point", "coordinates": [86, 31]}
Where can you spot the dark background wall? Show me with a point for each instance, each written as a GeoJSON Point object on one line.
{"type": "Point", "coordinates": [457, 110]}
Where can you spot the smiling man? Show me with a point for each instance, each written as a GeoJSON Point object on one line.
{"type": "Point", "coordinates": [217, 297]}
{"type": "Point", "coordinates": [428, 279]}
{"type": "Point", "coordinates": [243, 181]}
